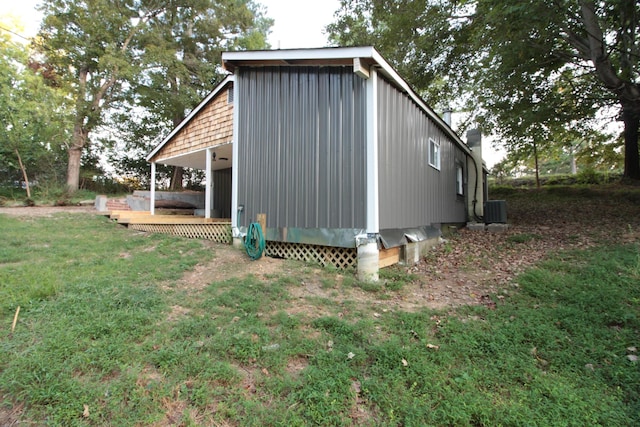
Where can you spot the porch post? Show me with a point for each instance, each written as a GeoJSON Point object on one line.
{"type": "Point", "coordinates": [152, 185]}
{"type": "Point", "coordinates": [207, 190]}
{"type": "Point", "coordinates": [235, 161]}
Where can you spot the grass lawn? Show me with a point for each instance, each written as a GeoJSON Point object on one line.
{"type": "Point", "coordinates": [107, 335]}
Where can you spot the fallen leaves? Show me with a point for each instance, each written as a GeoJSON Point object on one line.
{"type": "Point", "coordinates": [472, 265]}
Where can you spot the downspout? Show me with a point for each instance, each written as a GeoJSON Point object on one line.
{"type": "Point", "coordinates": [367, 245]}
{"type": "Point", "coordinates": [475, 206]}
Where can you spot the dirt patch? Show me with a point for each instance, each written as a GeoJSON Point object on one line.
{"type": "Point", "coordinates": [472, 265]}
{"type": "Point", "coordinates": [469, 268]}
{"type": "Point", "coordinates": [45, 211]}
{"type": "Point", "coordinates": [296, 365]}
{"type": "Point", "coordinates": [10, 416]}
{"type": "Point", "coordinates": [177, 312]}
{"type": "Point", "coordinates": [229, 263]}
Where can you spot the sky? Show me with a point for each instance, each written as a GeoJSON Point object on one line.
{"type": "Point", "coordinates": [297, 24]}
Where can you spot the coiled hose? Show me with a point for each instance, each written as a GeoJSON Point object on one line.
{"type": "Point", "coordinates": [254, 241]}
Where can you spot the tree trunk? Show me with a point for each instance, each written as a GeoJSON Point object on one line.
{"type": "Point", "coordinates": [73, 169]}
{"type": "Point", "coordinates": [626, 90]}
{"type": "Point", "coordinates": [535, 157]}
{"type": "Point", "coordinates": [176, 178]}
{"type": "Point", "coordinates": [178, 172]}
{"type": "Point", "coordinates": [631, 119]}
{"type": "Point", "coordinates": [24, 174]}
{"type": "Point", "coordinates": [75, 153]}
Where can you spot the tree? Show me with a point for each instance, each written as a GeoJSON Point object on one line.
{"type": "Point", "coordinates": [531, 69]}
{"type": "Point", "coordinates": [89, 45]}
{"type": "Point", "coordinates": [32, 114]}
{"type": "Point", "coordinates": [181, 64]}
{"type": "Point", "coordinates": [96, 48]}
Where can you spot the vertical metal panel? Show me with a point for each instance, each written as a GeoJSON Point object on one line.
{"type": "Point", "coordinates": [412, 193]}
{"type": "Point", "coordinates": [301, 146]}
{"type": "Point", "coordinates": [222, 192]}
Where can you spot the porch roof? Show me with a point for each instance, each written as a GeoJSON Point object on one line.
{"type": "Point", "coordinates": [196, 159]}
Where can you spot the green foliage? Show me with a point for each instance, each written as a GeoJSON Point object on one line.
{"type": "Point", "coordinates": [166, 53]}
{"type": "Point", "coordinates": [181, 57]}
{"type": "Point", "coordinates": [396, 277]}
{"type": "Point", "coordinates": [33, 117]}
{"type": "Point", "coordinates": [526, 72]}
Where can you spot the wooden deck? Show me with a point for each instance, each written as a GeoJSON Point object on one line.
{"type": "Point", "coordinates": [216, 229]}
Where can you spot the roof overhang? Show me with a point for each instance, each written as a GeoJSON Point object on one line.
{"type": "Point", "coordinates": [221, 156]}
{"type": "Point", "coordinates": [297, 57]}
{"type": "Point", "coordinates": [361, 58]}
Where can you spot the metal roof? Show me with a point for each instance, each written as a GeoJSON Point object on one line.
{"type": "Point", "coordinates": [366, 56]}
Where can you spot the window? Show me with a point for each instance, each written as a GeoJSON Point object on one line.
{"type": "Point", "coordinates": [459, 180]}
{"type": "Point", "coordinates": [434, 153]}
{"type": "Point", "coordinates": [230, 95]}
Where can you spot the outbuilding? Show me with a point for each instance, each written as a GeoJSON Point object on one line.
{"type": "Point", "coordinates": [346, 162]}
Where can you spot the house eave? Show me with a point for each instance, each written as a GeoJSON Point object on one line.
{"type": "Point", "coordinates": [366, 56]}
{"type": "Point", "coordinates": [295, 57]}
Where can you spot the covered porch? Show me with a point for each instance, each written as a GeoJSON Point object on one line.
{"type": "Point", "coordinates": [216, 162]}
{"type": "Point", "coordinates": [203, 141]}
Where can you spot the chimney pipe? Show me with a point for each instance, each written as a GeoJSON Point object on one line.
{"type": "Point", "coordinates": [446, 116]}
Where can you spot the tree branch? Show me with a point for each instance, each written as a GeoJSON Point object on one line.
{"type": "Point", "coordinates": [626, 91]}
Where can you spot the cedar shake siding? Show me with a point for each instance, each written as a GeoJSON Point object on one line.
{"type": "Point", "coordinates": [212, 126]}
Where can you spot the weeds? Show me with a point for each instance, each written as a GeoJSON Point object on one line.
{"type": "Point", "coordinates": [102, 326]}
{"type": "Point", "coordinates": [396, 277]}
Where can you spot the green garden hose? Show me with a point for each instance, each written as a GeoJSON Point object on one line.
{"type": "Point", "coordinates": [254, 241]}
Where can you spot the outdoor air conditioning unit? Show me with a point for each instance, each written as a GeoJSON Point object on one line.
{"type": "Point", "coordinates": [495, 211]}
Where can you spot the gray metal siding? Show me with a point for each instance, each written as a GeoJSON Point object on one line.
{"type": "Point", "coordinates": [411, 192]}
{"type": "Point", "coordinates": [301, 146]}
{"type": "Point", "coordinates": [222, 192]}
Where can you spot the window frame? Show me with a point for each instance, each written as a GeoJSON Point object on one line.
{"type": "Point", "coordinates": [230, 95]}
{"type": "Point", "coordinates": [459, 179]}
{"type": "Point", "coordinates": [434, 154]}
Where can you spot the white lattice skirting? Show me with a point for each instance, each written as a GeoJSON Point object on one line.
{"type": "Point", "coordinates": [220, 233]}
{"type": "Point", "coordinates": [326, 255]}
{"type": "Point", "coordinates": [341, 258]}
